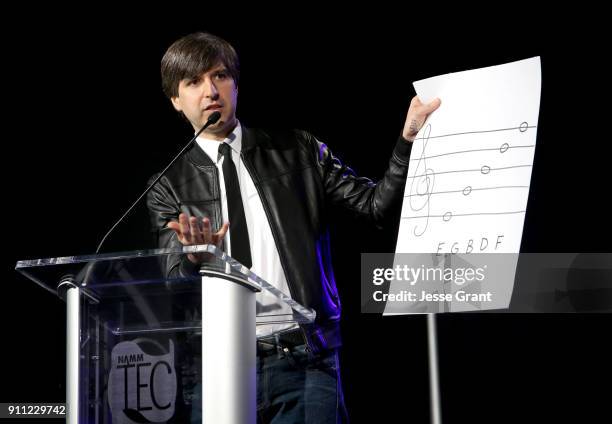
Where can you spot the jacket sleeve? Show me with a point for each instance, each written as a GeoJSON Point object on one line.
{"type": "Point", "coordinates": [163, 208]}
{"type": "Point", "coordinates": [377, 202]}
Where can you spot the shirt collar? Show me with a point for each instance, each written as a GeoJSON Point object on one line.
{"type": "Point", "coordinates": [211, 147]}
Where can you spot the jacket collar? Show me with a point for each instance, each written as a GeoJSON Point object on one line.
{"type": "Point", "coordinates": [197, 156]}
{"type": "Point", "coordinates": [249, 139]}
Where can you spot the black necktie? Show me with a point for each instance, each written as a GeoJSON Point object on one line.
{"type": "Point", "coordinates": [239, 235]}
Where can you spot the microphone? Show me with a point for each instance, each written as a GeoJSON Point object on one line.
{"type": "Point", "coordinates": [212, 119]}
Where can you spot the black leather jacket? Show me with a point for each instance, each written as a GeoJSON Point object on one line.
{"type": "Point", "coordinates": [297, 179]}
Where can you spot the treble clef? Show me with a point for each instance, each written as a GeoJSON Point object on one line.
{"type": "Point", "coordinates": [421, 187]}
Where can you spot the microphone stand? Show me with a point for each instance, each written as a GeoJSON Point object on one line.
{"type": "Point", "coordinates": [212, 119]}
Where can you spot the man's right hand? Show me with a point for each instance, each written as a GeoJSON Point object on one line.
{"type": "Point", "coordinates": [191, 231]}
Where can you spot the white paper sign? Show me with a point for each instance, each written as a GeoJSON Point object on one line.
{"type": "Point", "coordinates": [471, 163]}
{"type": "Point", "coordinates": [467, 188]}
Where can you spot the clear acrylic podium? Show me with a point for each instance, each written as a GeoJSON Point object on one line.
{"type": "Point", "coordinates": [142, 347]}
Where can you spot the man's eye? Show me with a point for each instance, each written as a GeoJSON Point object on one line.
{"type": "Point", "coordinates": [221, 75]}
{"type": "Point", "coordinates": [193, 81]}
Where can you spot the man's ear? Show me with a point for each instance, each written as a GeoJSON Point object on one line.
{"type": "Point", "coordinates": [176, 104]}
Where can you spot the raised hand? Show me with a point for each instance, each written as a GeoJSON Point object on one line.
{"type": "Point", "coordinates": [417, 114]}
{"type": "Point", "coordinates": [192, 231]}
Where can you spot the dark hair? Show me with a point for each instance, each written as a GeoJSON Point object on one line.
{"type": "Point", "coordinates": [194, 54]}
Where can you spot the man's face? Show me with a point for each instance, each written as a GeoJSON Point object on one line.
{"type": "Point", "coordinates": [214, 90]}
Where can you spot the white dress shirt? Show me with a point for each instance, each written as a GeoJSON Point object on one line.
{"type": "Point", "coordinates": [264, 252]}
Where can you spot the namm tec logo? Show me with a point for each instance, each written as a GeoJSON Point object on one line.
{"type": "Point", "coordinates": [142, 382]}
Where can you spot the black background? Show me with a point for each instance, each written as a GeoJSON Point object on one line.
{"type": "Point", "coordinates": [85, 124]}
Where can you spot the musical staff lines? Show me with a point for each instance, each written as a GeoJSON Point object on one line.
{"type": "Point", "coordinates": [423, 179]}
{"type": "Point", "coordinates": [448, 215]}
{"type": "Point", "coordinates": [502, 149]}
{"type": "Point", "coordinates": [522, 128]}
{"type": "Point", "coordinates": [467, 190]}
{"type": "Point", "coordinates": [485, 169]}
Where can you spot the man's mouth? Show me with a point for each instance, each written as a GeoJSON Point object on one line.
{"type": "Point", "coordinates": [214, 106]}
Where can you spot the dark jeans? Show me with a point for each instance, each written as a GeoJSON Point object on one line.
{"type": "Point", "coordinates": [296, 387]}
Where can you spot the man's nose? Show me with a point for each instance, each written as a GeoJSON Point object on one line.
{"type": "Point", "coordinates": [210, 89]}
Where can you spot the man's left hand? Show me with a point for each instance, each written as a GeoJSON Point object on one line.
{"type": "Point", "coordinates": [417, 114]}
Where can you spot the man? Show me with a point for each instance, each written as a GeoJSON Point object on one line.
{"type": "Point", "coordinates": [274, 188]}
